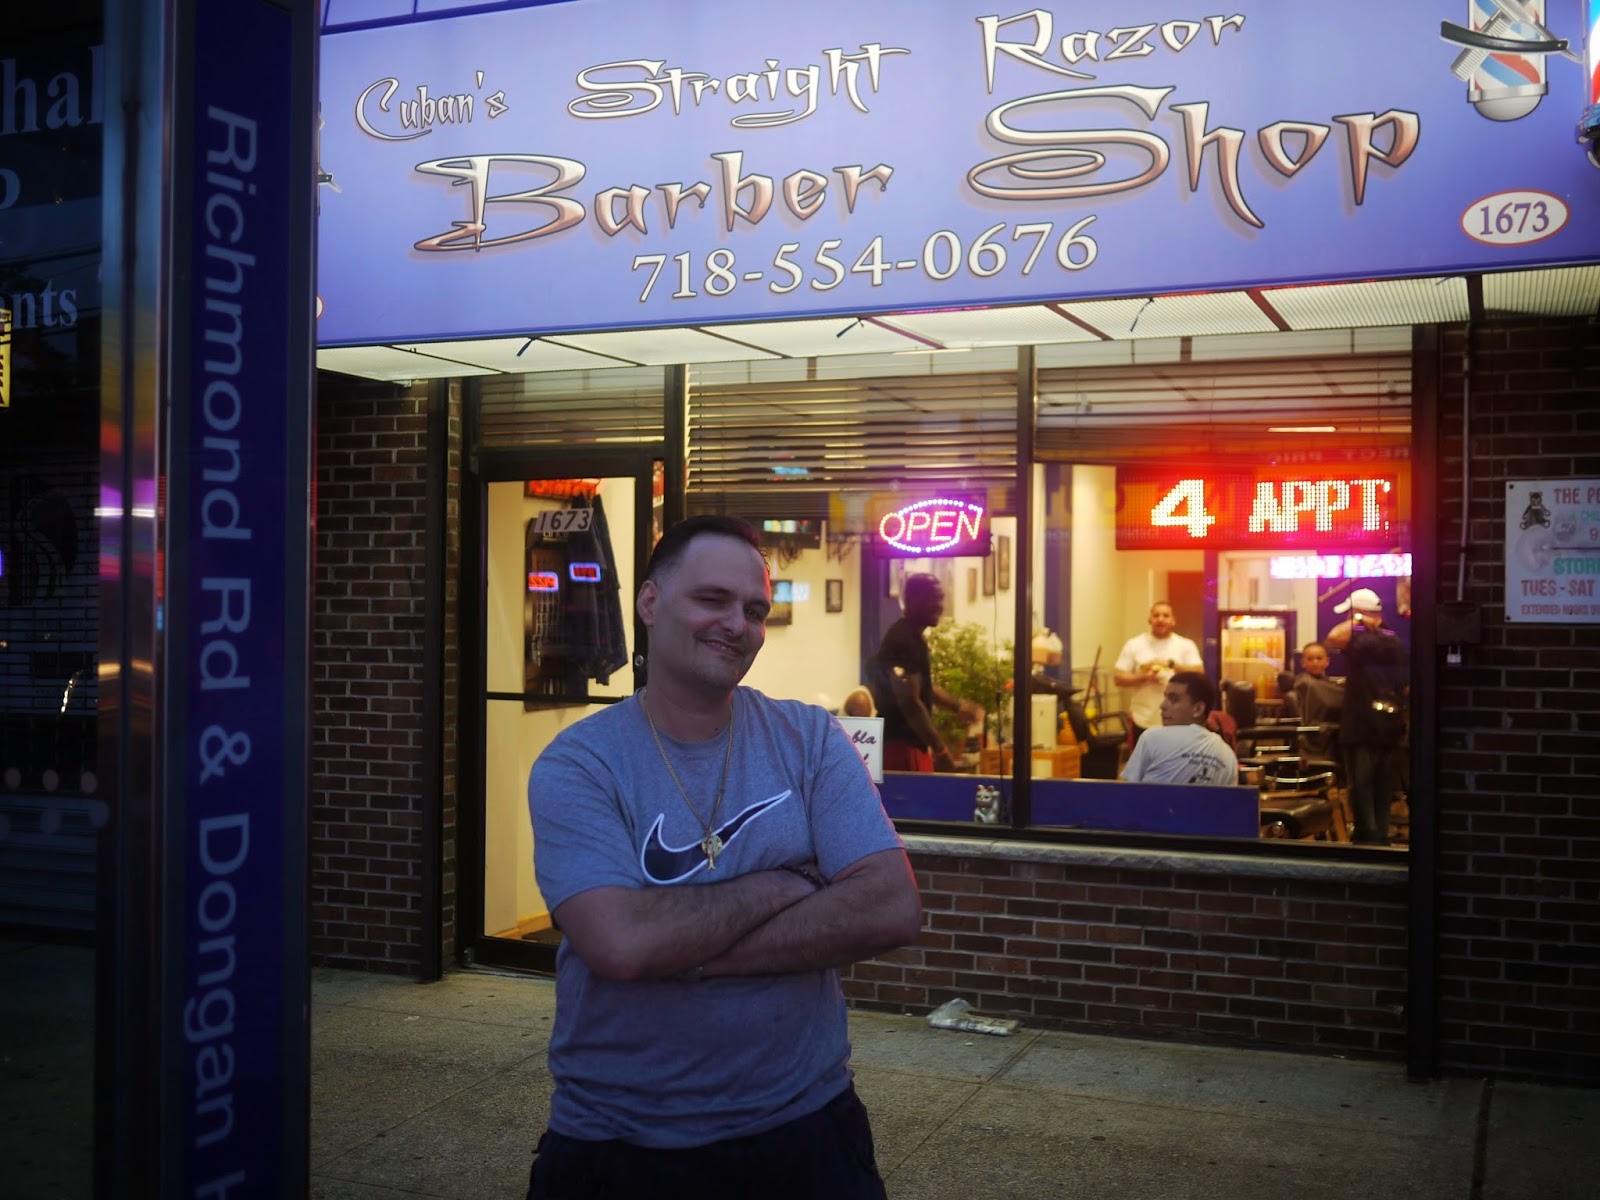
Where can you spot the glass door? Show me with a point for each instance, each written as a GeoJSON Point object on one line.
{"type": "Point", "coordinates": [562, 551]}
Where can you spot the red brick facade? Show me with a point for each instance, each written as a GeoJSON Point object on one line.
{"type": "Point", "coordinates": [1235, 954]}
{"type": "Point", "coordinates": [1519, 726]}
{"type": "Point", "coordinates": [1304, 956]}
{"type": "Point", "coordinates": [368, 701]}
{"type": "Point", "coordinates": [450, 749]}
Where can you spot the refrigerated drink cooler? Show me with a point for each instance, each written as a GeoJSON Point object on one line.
{"type": "Point", "coordinates": [1255, 645]}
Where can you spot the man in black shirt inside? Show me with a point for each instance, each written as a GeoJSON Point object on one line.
{"type": "Point", "coordinates": [903, 687]}
{"type": "Point", "coordinates": [1373, 721]}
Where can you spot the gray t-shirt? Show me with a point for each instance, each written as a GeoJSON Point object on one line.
{"type": "Point", "coordinates": [669, 1063]}
{"type": "Point", "coordinates": [1181, 754]}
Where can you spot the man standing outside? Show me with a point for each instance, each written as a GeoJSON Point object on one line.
{"type": "Point", "coordinates": [712, 856]}
{"type": "Point", "coordinates": [1148, 661]}
{"type": "Point", "coordinates": [1183, 750]}
{"type": "Point", "coordinates": [1372, 723]}
{"type": "Point", "coordinates": [903, 686]}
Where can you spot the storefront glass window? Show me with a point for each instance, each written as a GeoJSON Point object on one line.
{"type": "Point", "coordinates": [865, 470]}
{"type": "Point", "coordinates": [1224, 496]}
{"type": "Point", "coordinates": [1227, 494]}
{"type": "Point", "coordinates": [1214, 505]}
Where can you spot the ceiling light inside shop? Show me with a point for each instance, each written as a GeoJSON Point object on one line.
{"type": "Point", "coordinates": [1302, 429]}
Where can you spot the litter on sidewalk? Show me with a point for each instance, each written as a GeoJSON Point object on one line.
{"type": "Point", "coordinates": [959, 1014]}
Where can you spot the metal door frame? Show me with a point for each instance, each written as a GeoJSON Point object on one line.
{"type": "Point", "coordinates": [482, 469]}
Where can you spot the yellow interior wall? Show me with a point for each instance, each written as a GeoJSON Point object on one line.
{"type": "Point", "coordinates": [513, 738]}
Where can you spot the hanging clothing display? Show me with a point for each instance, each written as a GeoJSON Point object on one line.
{"type": "Point", "coordinates": [573, 619]}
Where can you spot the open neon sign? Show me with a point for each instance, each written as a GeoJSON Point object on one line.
{"type": "Point", "coordinates": [1165, 510]}
{"type": "Point", "coordinates": [938, 527]}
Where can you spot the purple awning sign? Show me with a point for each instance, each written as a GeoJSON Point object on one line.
{"type": "Point", "coordinates": [624, 163]}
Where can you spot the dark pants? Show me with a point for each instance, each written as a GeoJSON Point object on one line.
{"type": "Point", "coordinates": [1369, 776]}
{"type": "Point", "coordinates": [824, 1156]}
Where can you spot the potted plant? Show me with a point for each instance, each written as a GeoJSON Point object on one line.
{"type": "Point", "coordinates": [967, 665]}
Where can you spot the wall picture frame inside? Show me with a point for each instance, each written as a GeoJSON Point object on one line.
{"type": "Point", "coordinates": [1003, 563]}
{"type": "Point", "coordinates": [835, 595]}
{"type": "Point", "coordinates": [782, 611]}
{"type": "Point", "coordinates": [988, 574]}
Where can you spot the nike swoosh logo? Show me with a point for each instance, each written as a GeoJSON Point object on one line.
{"type": "Point", "coordinates": [673, 864]}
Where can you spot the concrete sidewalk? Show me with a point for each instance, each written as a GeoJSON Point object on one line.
{"type": "Point", "coordinates": [441, 1090]}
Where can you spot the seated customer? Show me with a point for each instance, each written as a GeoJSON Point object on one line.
{"type": "Point", "coordinates": [1182, 749]}
{"type": "Point", "coordinates": [1319, 701]}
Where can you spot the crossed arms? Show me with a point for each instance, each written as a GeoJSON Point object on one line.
{"type": "Point", "coordinates": [762, 923]}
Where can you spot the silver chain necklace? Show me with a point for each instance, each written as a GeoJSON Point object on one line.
{"type": "Point", "coordinates": [710, 844]}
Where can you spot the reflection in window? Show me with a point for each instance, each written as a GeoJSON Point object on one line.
{"type": "Point", "coordinates": [53, 799]}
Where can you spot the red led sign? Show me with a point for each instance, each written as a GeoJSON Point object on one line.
{"type": "Point", "coordinates": [946, 526]}
{"type": "Point", "coordinates": [583, 572]}
{"type": "Point", "coordinates": [544, 581]}
{"type": "Point", "coordinates": [1171, 510]}
{"type": "Point", "coordinates": [561, 489]}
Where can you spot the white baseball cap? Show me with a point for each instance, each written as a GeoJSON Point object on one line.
{"type": "Point", "coordinates": [1364, 599]}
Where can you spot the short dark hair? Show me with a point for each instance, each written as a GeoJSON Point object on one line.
{"type": "Point", "coordinates": [676, 540]}
{"type": "Point", "coordinates": [1318, 645]}
{"type": "Point", "coordinates": [1199, 687]}
{"type": "Point", "coordinates": [918, 583]}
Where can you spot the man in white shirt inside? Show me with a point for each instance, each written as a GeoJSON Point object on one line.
{"type": "Point", "coordinates": [1148, 661]}
{"type": "Point", "coordinates": [1183, 750]}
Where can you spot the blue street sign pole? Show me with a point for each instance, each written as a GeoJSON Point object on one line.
{"type": "Point", "coordinates": [210, 240]}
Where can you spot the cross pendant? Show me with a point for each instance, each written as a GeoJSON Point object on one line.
{"type": "Point", "coordinates": [711, 844]}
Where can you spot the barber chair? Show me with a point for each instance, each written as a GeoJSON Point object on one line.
{"type": "Point", "coordinates": [1296, 802]}
{"type": "Point", "coordinates": [1239, 701]}
{"type": "Point", "coordinates": [1108, 734]}
{"type": "Point", "coordinates": [1261, 744]}
{"type": "Point", "coordinates": [1291, 702]}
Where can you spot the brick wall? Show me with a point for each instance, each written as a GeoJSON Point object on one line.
{"type": "Point", "coordinates": [368, 729]}
{"type": "Point", "coordinates": [449, 852]}
{"type": "Point", "coordinates": [1519, 739]}
{"type": "Point", "coordinates": [1223, 955]}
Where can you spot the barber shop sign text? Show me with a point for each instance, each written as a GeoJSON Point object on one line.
{"type": "Point", "coordinates": [669, 170]}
